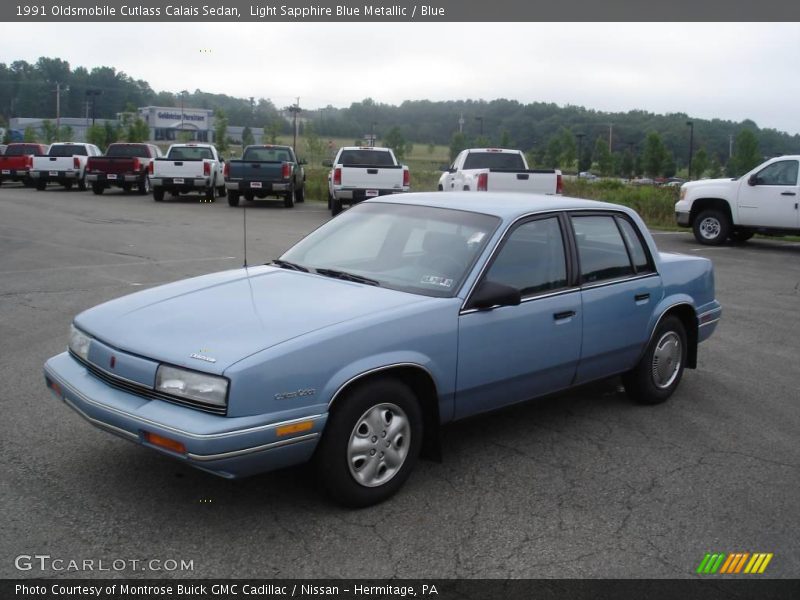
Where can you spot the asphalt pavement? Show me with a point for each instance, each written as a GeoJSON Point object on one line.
{"type": "Point", "coordinates": [584, 484]}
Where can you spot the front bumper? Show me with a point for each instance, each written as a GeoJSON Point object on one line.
{"type": "Point", "coordinates": [683, 219]}
{"type": "Point", "coordinates": [226, 446]}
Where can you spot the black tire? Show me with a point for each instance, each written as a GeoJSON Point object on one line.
{"type": "Point", "coordinates": [82, 183]}
{"type": "Point", "coordinates": [41, 185]}
{"type": "Point", "coordinates": [158, 194]}
{"type": "Point", "coordinates": [211, 192]}
{"type": "Point", "coordinates": [127, 187]}
{"type": "Point", "coordinates": [67, 185]}
{"type": "Point", "coordinates": [330, 200]}
{"type": "Point", "coordinates": [659, 371]}
{"type": "Point", "coordinates": [221, 191]}
{"type": "Point", "coordinates": [711, 227]}
{"type": "Point", "coordinates": [143, 187]}
{"type": "Point", "coordinates": [440, 188]}
{"type": "Point", "coordinates": [300, 194]}
{"type": "Point", "coordinates": [98, 188]}
{"type": "Point", "coordinates": [249, 196]}
{"type": "Point", "coordinates": [233, 198]}
{"type": "Point", "coordinates": [740, 236]}
{"type": "Point", "coordinates": [288, 199]}
{"type": "Point", "coordinates": [348, 476]}
{"type": "Point", "coordinates": [336, 206]}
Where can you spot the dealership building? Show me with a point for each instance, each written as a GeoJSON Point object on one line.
{"type": "Point", "coordinates": [166, 124]}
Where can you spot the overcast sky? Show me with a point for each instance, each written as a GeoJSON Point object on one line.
{"type": "Point", "coordinates": [708, 70]}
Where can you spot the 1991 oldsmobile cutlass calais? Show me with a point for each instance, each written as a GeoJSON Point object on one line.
{"type": "Point", "coordinates": [399, 315]}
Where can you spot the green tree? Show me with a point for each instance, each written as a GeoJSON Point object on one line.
{"type": "Point", "coordinates": [746, 156]}
{"type": "Point", "coordinates": [505, 139]}
{"type": "Point", "coordinates": [65, 134]}
{"type": "Point", "coordinates": [272, 130]}
{"type": "Point", "coordinates": [603, 158]}
{"type": "Point", "coordinates": [457, 143]}
{"type": "Point", "coordinates": [431, 149]}
{"type": "Point", "coordinates": [714, 168]}
{"type": "Point", "coordinates": [184, 137]}
{"type": "Point", "coordinates": [552, 156]}
{"type": "Point", "coordinates": [313, 142]}
{"type": "Point", "coordinates": [569, 151]}
{"type": "Point", "coordinates": [220, 130]}
{"type": "Point", "coordinates": [30, 135]}
{"type": "Point", "coordinates": [247, 137]}
{"type": "Point", "coordinates": [669, 167]}
{"type": "Point", "coordinates": [49, 132]}
{"type": "Point", "coordinates": [654, 155]}
{"type": "Point", "coordinates": [626, 165]}
{"type": "Point", "coordinates": [7, 136]}
{"type": "Point", "coordinates": [395, 140]}
{"type": "Point", "coordinates": [96, 134]}
{"type": "Point", "coordinates": [699, 163]}
{"type": "Point", "coordinates": [585, 160]}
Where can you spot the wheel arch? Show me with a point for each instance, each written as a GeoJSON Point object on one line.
{"type": "Point", "coordinates": [701, 204]}
{"type": "Point", "coordinates": [421, 383]}
{"type": "Point", "coordinates": [684, 311]}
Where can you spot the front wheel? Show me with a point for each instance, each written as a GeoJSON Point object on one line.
{"type": "Point", "coordinates": [288, 199]}
{"type": "Point", "coordinates": [300, 194]}
{"type": "Point", "coordinates": [659, 371]}
{"type": "Point", "coordinates": [711, 227]}
{"type": "Point", "coordinates": [98, 188]}
{"type": "Point", "coordinates": [371, 443]}
{"type": "Point", "coordinates": [158, 194]}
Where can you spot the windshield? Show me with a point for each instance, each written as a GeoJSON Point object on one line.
{"type": "Point", "coordinates": [494, 160]}
{"type": "Point", "coordinates": [415, 249]}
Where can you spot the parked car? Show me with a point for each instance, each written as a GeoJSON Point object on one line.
{"type": "Point", "coordinates": [188, 168]}
{"type": "Point", "coordinates": [400, 315]}
{"type": "Point", "coordinates": [266, 170]}
{"type": "Point", "coordinates": [124, 165]}
{"type": "Point", "coordinates": [65, 164]}
{"type": "Point", "coordinates": [765, 200]}
{"type": "Point", "coordinates": [359, 173]}
{"type": "Point", "coordinates": [16, 162]}
{"type": "Point", "coordinates": [497, 170]}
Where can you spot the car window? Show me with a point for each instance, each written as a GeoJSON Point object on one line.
{"type": "Point", "coordinates": [783, 172]}
{"type": "Point", "coordinates": [532, 259]}
{"type": "Point", "coordinates": [68, 150]}
{"type": "Point", "coordinates": [635, 245]}
{"type": "Point", "coordinates": [494, 160]}
{"type": "Point", "coordinates": [366, 158]}
{"type": "Point", "coordinates": [601, 250]}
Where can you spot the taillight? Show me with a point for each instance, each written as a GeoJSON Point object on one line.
{"type": "Point", "coordinates": [337, 176]}
{"type": "Point", "coordinates": [206, 168]}
{"type": "Point", "coordinates": [136, 164]}
{"type": "Point", "coordinates": [150, 167]}
{"type": "Point", "coordinates": [286, 170]}
{"type": "Point", "coordinates": [76, 163]}
{"type": "Point", "coordinates": [406, 178]}
{"type": "Point", "coordinates": [28, 161]}
{"type": "Point", "coordinates": [483, 182]}
{"type": "Point", "coordinates": [226, 170]}
{"type": "Point", "coordinates": [559, 184]}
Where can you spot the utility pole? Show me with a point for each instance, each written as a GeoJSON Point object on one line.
{"type": "Point", "coordinates": [610, 133]}
{"type": "Point", "coordinates": [372, 134]}
{"type": "Point", "coordinates": [92, 95]}
{"type": "Point", "coordinates": [691, 144]}
{"type": "Point", "coordinates": [580, 137]}
{"type": "Point", "coordinates": [58, 107]}
{"type": "Point", "coordinates": [461, 122]}
{"type": "Point", "coordinates": [730, 145]}
{"type": "Point", "coordinates": [480, 120]}
{"type": "Point", "coordinates": [295, 109]}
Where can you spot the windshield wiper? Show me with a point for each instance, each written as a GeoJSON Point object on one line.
{"type": "Point", "coordinates": [285, 264]}
{"type": "Point", "coordinates": [347, 276]}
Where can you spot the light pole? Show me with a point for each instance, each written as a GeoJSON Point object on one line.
{"type": "Point", "coordinates": [294, 109]}
{"type": "Point", "coordinates": [580, 137]}
{"type": "Point", "coordinates": [480, 120]}
{"type": "Point", "coordinates": [58, 108]}
{"type": "Point", "coordinates": [92, 96]}
{"type": "Point", "coordinates": [691, 144]}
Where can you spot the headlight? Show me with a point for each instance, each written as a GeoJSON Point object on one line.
{"type": "Point", "coordinates": [683, 193]}
{"type": "Point", "coordinates": [182, 383]}
{"type": "Point", "coordinates": [79, 342]}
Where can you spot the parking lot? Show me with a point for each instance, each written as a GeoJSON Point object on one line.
{"type": "Point", "coordinates": [585, 484]}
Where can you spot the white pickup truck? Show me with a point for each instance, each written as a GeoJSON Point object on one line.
{"type": "Point", "coordinates": [765, 200]}
{"type": "Point", "coordinates": [497, 170]}
{"type": "Point", "coordinates": [188, 168]}
{"type": "Point", "coordinates": [64, 163]}
{"type": "Point", "coordinates": [360, 172]}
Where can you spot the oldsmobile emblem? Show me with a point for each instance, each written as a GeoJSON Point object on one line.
{"type": "Point", "coordinates": [203, 357]}
{"type": "Point", "coordinates": [295, 394]}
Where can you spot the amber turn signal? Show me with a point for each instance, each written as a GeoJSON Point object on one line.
{"type": "Point", "coordinates": [163, 442]}
{"type": "Point", "coordinates": [294, 428]}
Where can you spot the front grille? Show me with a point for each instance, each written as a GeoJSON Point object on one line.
{"type": "Point", "coordinates": [138, 389]}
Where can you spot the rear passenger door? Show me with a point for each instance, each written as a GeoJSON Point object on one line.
{"type": "Point", "coordinates": [619, 288]}
{"type": "Point", "coordinates": [512, 353]}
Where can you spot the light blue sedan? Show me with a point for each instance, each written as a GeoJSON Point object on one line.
{"type": "Point", "coordinates": [399, 315]}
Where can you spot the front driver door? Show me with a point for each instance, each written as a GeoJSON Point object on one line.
{"type": "Point", "coordinates": [769, 198]}
{"type": "Point", "coordinates": [512, 353]}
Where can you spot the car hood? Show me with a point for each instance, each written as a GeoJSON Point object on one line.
{"type": "Point", "coordinates": [225, 317]}
{"type": "Point", "coordinates": [703, 183]}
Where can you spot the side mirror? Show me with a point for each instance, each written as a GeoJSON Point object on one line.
{"type": "Point", "coordinates": [753, 180]}
{"type": "Point", "coordinates": [327, 163]}
{"type": "Point", "coordinates": [490, 294]}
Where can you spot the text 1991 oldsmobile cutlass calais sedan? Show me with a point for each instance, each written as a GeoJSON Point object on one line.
{"type": "Point", "coordinates": [397, 316]}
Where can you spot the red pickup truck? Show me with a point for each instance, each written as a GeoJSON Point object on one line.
{"type": "Point", "coordinates": [123, 165]}
{"type": "Point", "coordinates": [16, 163]}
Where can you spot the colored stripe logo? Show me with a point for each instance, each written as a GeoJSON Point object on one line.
{"type": "Point", "coordinates": [734, 563]}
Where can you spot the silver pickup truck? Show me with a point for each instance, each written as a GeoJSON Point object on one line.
{"type": "Point", "coordinates": [360, 172]}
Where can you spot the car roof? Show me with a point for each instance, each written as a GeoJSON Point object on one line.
{"type": "Point", "coordinates": [506, 205]}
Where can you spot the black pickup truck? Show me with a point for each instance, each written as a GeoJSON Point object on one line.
{"type": "Point", "coordinates": [266, 170]}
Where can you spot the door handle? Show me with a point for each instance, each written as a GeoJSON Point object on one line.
{"type": "Point", "coordinates": [788, 194]}
{"type": "Point", "coordinates": [563, 315]}
{"type": "Point", "coordinates": [640, 297]}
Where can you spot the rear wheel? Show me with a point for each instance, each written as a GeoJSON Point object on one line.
{"type": "Point", "coordinates": [249, 196]}
{"type": "Point", "coordinates": [158, 194]}
{"type": "Point", "coordinates": [288, 199]}
{"type": "Point", "coordinates": [41, 185]}
{"type": "Point", "coordinates": [711, 227]}
{"type": "Point", "coordinates": [82, 183]}
{"type": "Point", "coordinates": [98, 188]}
{"type": "Point", "coordinates": [372, 440]}
{"type": "Point", "coordinates": [741, 235]}
{"type": "Point", "coordinates": [659, 371]}
{"type": "Point", "coordinates": [300, 194]}
{"type": "Point", "coordinates": [67, 185]}
{"type": "Point", "coordinates": [144, 186]}
{"type": "Point", "coordinates": [211, 192]}
{"type": "Point", "coordinates": [336, 206]}
{"type": "Point", "coordinates": [233, 198]}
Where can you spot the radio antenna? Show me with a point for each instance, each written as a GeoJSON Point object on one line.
{"type": "Point", "coordinates": [244, 227]}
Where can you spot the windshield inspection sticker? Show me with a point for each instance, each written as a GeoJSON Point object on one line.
{"type": "Point", "coordinates": [436, 280]}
